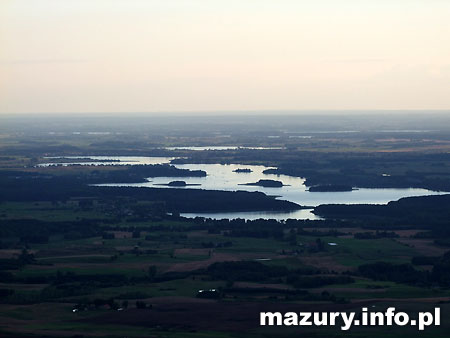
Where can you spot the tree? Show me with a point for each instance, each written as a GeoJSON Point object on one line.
{"type": "Point", "coordinates": [151, 272]}
{"type": "Point", "coordinates": [25, 257]}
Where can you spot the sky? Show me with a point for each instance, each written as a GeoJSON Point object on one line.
{"type": "Point", "coordinates": [86, 56]}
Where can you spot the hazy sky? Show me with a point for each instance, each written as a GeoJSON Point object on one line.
{"type": "Point", "coordinates": [206, 55]}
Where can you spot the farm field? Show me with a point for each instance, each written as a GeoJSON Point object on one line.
{"type": "Point", "coordinates": [81, 260]}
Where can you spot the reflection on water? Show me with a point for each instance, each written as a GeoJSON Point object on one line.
{"type": "Point", "coordinates": [223, 177]}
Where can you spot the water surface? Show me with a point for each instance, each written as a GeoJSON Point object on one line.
{"type": "Point", "coordinates": [223, 177]}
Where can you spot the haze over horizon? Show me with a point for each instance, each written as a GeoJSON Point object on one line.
{"type": "Point", "coordinates": [214, 56]}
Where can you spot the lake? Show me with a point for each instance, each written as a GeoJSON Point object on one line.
{"type": "Point", "coordinates": [223, 177]}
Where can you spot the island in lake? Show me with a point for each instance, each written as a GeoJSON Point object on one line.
{"type": "Point", "coordinates": [243, 170]}
{"type": "Point", "coordinates": [178, 184]}
{"type": "Point", "coordinates": [266, 184]}
{"type": "Point", "coordinates": [271, 171]}
{"type": "Point", "coordinates": [331, 188]}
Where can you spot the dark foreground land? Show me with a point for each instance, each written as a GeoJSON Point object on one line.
{"type": "Point", "coordinates": [78, 260]}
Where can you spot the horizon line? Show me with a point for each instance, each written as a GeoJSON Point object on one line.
{"type": "Point", "coordinates": [217, 113]}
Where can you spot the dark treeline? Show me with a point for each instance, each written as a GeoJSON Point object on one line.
{"type": "Point", "coordinates": [32, 187]}
{"type": "Point", "coordinates": [406, 273]}
{"type": "Point", "coordinates": [245, 271]}
{"type": "Point", "coordinates": [36, 231]}
{"type": "Point", "coordinates": [357, 170]}
{"type": "Point", "coordinates": [427, 212]}
{"type": "Point", "coordinates": [375, 235]}
{"type": "Point", "coordinates": [399, 273]}
{"type": "Point", "coordinates": [251, 271]}
{"type": "Point", "coordinates": [196, 200]}
{"type": "Point", "coordinates": [85, 174]}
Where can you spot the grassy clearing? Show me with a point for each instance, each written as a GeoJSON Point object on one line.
{"type": "Point", "coordinates": [353, 252]}
{"type": "Point", "coordinates": [47, 211]}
